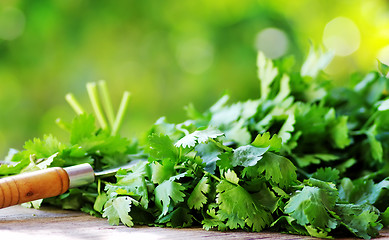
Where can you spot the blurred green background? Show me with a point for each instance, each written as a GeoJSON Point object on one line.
{"type": "Point", "coordinates": [166, 53]}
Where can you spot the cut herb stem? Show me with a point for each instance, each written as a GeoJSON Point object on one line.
{"type": "Point", "coordinates": [74, 103]}
{"type": "Point", "coordinates": [93, 96]}
{"type": "Point", "coordinates": [369, 121]}
{"type": "Point", "coordinates": [106, 100]}
{"type": "Point", "coordinates": [121, 112]}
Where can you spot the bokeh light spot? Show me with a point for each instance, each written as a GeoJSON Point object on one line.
{"type": "Point", "coordinates": [12, 22]}
{"type": "Point", "coordinates": [273, 42]}
{"type": "Point", "coordinates": [342, 36]}
{"type": "Point", "coordinates": [383, 55]}
{"type": "Point", "coordinates": [195, 55]}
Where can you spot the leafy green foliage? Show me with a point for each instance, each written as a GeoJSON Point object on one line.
{"type": "Point", "coordinates": [238, 207]}
{"type": "Point", "coordinates": [359, 219]}
{"type": "Point", "coordinates": [305, 157]}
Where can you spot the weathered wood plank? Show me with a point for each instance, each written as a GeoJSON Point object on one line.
{"type": "Point", "coordinates": [49, 223]}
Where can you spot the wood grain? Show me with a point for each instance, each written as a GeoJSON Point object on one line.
{"type": "Point", "coordinates": [21, 223]}
{"type": "Point", "coordinates": [33, 186]}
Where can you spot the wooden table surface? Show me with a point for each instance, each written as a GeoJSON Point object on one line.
{"type": "Point", "coordinates": [21, 223]}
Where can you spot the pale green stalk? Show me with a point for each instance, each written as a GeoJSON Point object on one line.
{"type": "Point", "coordinates": [62, 124]}
{"type": "Point", "coordinates": [106, 100]}
{"type": "Point", "coordinates": [94, 99]}
{"type": "Point", "coordinates": [120, 113]}
{"type": "Point", "coordinates": [74, 103]}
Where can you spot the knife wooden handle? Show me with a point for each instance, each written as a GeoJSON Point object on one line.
{"type": "Point", "coordinates": [32, 186]}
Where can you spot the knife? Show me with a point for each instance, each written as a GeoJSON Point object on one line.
{"type": "Point", "coordinates": [49, 182]}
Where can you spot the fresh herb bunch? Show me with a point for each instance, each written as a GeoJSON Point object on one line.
{"type": "Point", "coordinates": [305, 158]}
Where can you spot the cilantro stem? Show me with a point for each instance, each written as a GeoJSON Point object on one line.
{"type": "Point", "coordinates": [62, 124]}
{"type": "Point", "coordinates": [221, 145]}
{"type": "Point", "coordinates": [180, 154]}
{"type": "Point", "coordinates": [120, 114]}
{"type": "Point", "coordinates": [307, 175]}
{"type": "Point", "coordinates": [74, 103]}
{"type": "Point", "coordinates": [94, 99]}
{"type": "Point", "coordinates": [98, 185]}
{"type": "Point", "coordinates": [213, 176]}
{"type": "Point", "coordinates": [370, 120]}
{"type": "Point", "coordinates": [180, 167]}
{"type": "Point", "coordinates": [106, 100]}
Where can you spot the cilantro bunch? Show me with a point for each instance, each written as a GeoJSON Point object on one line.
{"type": "Point", "coordinates": [304, 158]}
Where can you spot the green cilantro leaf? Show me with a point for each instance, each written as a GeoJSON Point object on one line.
{"type": "Point", "coordinates": [359, 219]}
{"type": "Point", "coordinates": [316, 61]}
{"type": "Point", "coordinates": [383, 106]}
{"type": "Point", "coordinates": [161, 147]}
{"type": "Point", "coordinates": [100, 201]}
{"type": "Point", "coordinates": [199, 136]}
{"type": "Point", "coordinates": [385, 217]}
{"type": "Point", "coordinates": [239, 208]}
{"type": "Point", "coordinates": [383, 68]}
{"type": "Point", "coordinates": [43, 148]}
{"type": "Point", "coordinates": [309, 159]}
{"type": "Point", "coordinates": [212, 219]}
{"type": "Point", "coordinates": [238, 133]}
{"type": "Point", "coordinates": [284, 89]}
{"type": "Point", "coordinates": [8, 169]}
{"type": "Point", "coordinates": [266, 74]}
{"type": "Point", "coordinates": [105, 144]}
{"type": "Point", "coordinates": [33, 166]}
{"type": "Point", "coordinates": [224, 116]}
{"type": "Point", "coordinates": [83, 127]}
{"type": "Point", "coordinates": [117, 210]}
{"type": "Point", "coordinates": [310, 206]}
{"type": "Point", "coordinates": [167, 194]}
{"type": "Point", "coordinates": [247, 155]}
{"type": "Point", "coordinates": [315, 232]}
{"type": "Point", "coordinates": [287, 128]}
{"type": "Point", "coordinates": [133, 184]}
{"type": "Point", "coordinates": [198, 197]}
{"type": "Point", "coordinates": [231, 176]}
{"type": "Point", "coordinates": [362, 191]}
{"type": "Point", "coordinates": [209, 153]}
{"type": "Point", "coordinates": [339, 133]}
{"type": "Point", "coordinates": [180, 217]}
{"type": "Point", "coordinates": [376, 149]}
{"type": "Point", "coordinates": [224, 161]}
{"type": "Point", "coordinates": [326, 174]}
{"type": "Point", "coordinates": [277, 168]}
{"type": "Point", "coordinates": [263, 141]}
{"type": "Point", "coordinates": [162, 171]}
{"type": "Point", "coordinates": [289, 224]}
